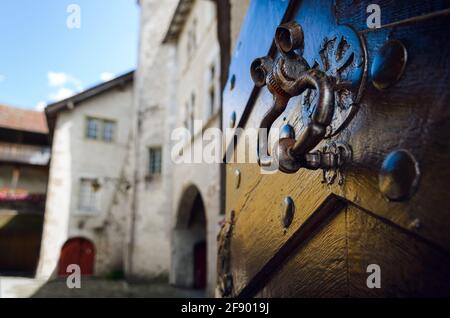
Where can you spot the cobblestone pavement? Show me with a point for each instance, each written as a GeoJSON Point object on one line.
{"type": "Point", "coordinates": [16, 287]}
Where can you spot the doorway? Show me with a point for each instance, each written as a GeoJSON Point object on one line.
{"type": "Point", "coordinates": [200, 265]}
{"type": "Point", "coordinates": [189, 249]}
{"type": "Point", "coordinates": [78, 251]}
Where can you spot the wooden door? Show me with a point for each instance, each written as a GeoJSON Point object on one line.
{"type": "Point", "coordinates": [363, 208]}
{"type": "Point", "coordinates": [77, 251]}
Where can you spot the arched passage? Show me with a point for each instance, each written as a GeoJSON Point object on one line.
{"type": "Point", "coordinates": [189, 250]}
{"type": "Point", "coordinates": [78, 251]}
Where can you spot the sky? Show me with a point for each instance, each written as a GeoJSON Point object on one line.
{"type": "Point", "coordinates": [51, 49]}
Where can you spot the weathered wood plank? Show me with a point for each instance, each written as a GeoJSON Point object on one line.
{"type": "Point", "coordinates": [413, 114]}
{"type": "Point", "coordinates": [317, 267]}
{"type": "Point", "coordinates": [408, 265]}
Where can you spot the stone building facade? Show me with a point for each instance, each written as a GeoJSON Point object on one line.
{"type": "Point", "coordinates": [148, 239]}
{"type": "Point", "coordinates": [196, 184]}
{"type": "Point", "coordinates": [164, 226]}
{"type": "Point", "coordinates": [88, 190]}
{"type": "Point", "coordinates": [179, 79]}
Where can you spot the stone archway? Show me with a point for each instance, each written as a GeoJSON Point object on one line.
{"type": "Point", "coordinates": [189, 256]}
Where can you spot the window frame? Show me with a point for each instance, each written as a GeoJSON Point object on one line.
{"type": "Point", "coordinates": [212, 91]}
{"type": "Point", "coordinates": [94, 208]}
{"type": "Point", "coordinates": [151, 171]}
{"type": "Point", "coordinates": [100, 131]}
{"type": "Point", "coordinates": [192, 114]}
{"type": "Point", "coordinates": [113, 124]}
{"type": "Point", "coordinates": [88, 120]}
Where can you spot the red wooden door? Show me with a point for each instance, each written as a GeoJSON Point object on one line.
{"type": "Point", "coordinates": [77, 251]}
{"type": "Point", "coordinates": [200, 265]}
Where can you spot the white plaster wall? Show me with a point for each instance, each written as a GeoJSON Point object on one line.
{"type": "Point", "coordinates": [57, 211]}
{"type": "Point", "coordinates": [75, 157]}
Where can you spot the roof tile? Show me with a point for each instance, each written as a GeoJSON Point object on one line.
{"type": "Point", "coordinates": [23, 119]}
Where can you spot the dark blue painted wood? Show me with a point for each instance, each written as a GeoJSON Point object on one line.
{"type": "Point", "coordinates": [255, 40]}
{"type": "Point", "coordinates": [354, 12]}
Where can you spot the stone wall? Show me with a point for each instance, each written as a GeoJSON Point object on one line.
{"type": "Point", "coordinates": [138, 229]}
{"type": "Point", "coordinates": [148, 252]}
{"type": "Point", "coordinates": [194, 78]}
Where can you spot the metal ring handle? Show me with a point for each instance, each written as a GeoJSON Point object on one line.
{"type": "Point", "coordinates": [291, 152]}
{"type": "Point", "coordinates": [287, 77]}
{"type": "Point", "coordinates": [279, 105]}
{"type": "Point", "coordinates": [323, 114]}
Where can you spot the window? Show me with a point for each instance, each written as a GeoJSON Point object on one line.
{"type": "Point", "coordinates": [92, 128]}
{"type": "Point", "coordinates": [155, 158]}
{"type": "Point", "coordinates": [212, 72]}
{"type": "Point", "coordinates": [186, 115]}
{"type": "Point", "coordinates": [212, 99]}
{"type": "Point", "coordinates": [212, 89]}
{"type": "Point", "coordinates": [189, 114]}
{"type": "Point", "coordinates": [192, 39]}
{"type": "Point", "coordinates": [100, 129]}
{"type": "Point", "coordinates": [88, 195]}
{"type": "Point", "coordinates": [194, 33]}
{"type": "Point", "coordinates": [108, 131]}
{"type": "Point", "coordinates": [192, 114]}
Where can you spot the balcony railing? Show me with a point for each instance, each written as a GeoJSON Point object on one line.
{"type": "Point", "coordinates": [28, 154]}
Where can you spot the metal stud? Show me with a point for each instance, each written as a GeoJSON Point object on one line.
{"type": "Point", "coordinates": [399, 175]}
{"type": "Point", "coordinates": [288, 212]}
{"type": "Point", "coordinates": [388, 64]}
{"type": "Point", "coordinates": [287, 131]}
{"type": "Point", "coordinates": [237, 178]}
{"type": "Point", "coordinates": [233, 119]}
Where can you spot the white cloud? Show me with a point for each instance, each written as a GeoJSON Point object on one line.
{"type": "Point", "coordinates": [61, 79]}
{"type": "Point", "coordinates": [61, 94]}
{"type": "Point", "coordinates": [40, 106]}
{"type": "Point", "coordinates": [56, 79]}
{"type": "Point", "coordinates": [106, 76]}
{"type": "Point", "coordinates": [65, 84]}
